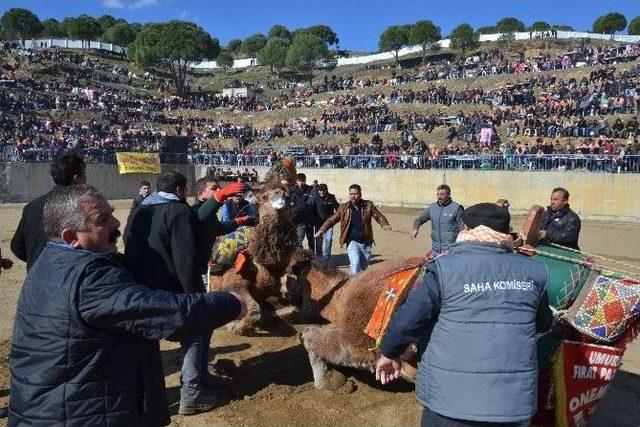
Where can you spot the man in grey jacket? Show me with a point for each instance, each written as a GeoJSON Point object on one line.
{"type": "Point", "coordinates": [475, 318]}
{"type": "Point", "coordinates": [444, 215]}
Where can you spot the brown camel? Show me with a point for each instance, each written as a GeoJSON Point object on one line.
{"type": "Point", "coordinates": [270, 247]}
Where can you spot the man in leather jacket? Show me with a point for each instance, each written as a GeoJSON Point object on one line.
{"type": "Point", "coordinates": [559, 223]}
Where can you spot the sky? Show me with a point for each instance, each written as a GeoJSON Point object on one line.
{"type": "Point", "coordinates": [358, 23]}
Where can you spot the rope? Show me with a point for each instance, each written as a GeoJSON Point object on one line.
{"type": "Point", "coordinates": [632, 266]}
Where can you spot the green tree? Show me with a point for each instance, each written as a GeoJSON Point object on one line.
{"type": "Point", "coordinates": [52, 28]}
{"type": "Point", "coordinates": [18, 23]}
{"type": "Point", "coordinates": [121, 34]}
{"type": "Point", "coordinates": [424, 33]}
{"type": "Point", "coordinates": [634, 26]}
{"type": "Point", "coordinates": [85, 28]}
{"type": "Point", "coordinates": [487, 30]}
{"type": "Point", "coordinates": [324, 33]}
{"type": "Point", "coordinates": [225, 60]}
{"type": "Point", "coordinates": [464, 38]}
{"type": "Point", "coordinates": [107, 21]}
{"type": "Point", "coordinates": [306, 53]}
{"type": "Point", "coordinates": [506, 40]}
{"type": "Point", "coordinates": [394, 38]}
{"type": "Point", "coordinates": [254, 44]}
{"type": "Point", "coordinates": [234, 45]}
{"type": "Point", "coordinates": [540, 26]}
{"type": "Point", "coordinates": [274, 54]}
{"type": "Point", "coordinates": [66, 24]}
{"type": "Point", "coordinates": [281, 32]}
{"type": "Point", "coordinates": [172, 46]}
{"type": "Point", "coordinates": [562, 27]}
{"type": "Point", "coordinates": [510, 25]}
{"type": "Point", "coordinates": [610, 23]}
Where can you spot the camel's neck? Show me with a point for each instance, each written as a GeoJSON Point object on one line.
{"type": "Point", "coordinates": [273, 242]}
{"type": "Point", "coordinates": [322, 288]}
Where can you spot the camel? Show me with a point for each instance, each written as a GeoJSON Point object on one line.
{"type": "Point", "coordinates": [347, 304]}
{"type": "Point", "coordinates": [260, 269]}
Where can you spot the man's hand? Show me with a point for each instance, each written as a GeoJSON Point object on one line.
{"type": "Point", "coordinates": [318, 234]}
{"type": "Point", "coordinates": [414, 233]}
{"type": "Point", "coordinates": [6, 263]}
{"type": "Point", "coordinates": [386, 227]}
{"type": "Point", "coordinates": [543, 234]}
{"type": "Point", "coordinates": [243, 305]}
{"type": "Point", "coordinates": [246, 220]}
{"type": "Point", "coordinates": [388, 370]}
{"type": "Point", "coordinates": [230, 190]}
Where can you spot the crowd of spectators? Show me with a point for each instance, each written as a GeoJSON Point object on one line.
{"type": "Point", "coordinates": [123, 118]}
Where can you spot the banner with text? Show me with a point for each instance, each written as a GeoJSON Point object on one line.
{"type": "Point", "coordinates": [138, 162]}
{"type": "Point", "coordinates": [583, 374]}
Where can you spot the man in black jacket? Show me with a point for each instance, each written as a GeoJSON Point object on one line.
{"type": "Point", "coordinates": [325, 205]}
{"type": "Point", "coordinates": [29, 240]}
{"type": "Point", "coordinates": [559, 223]}
{"type": "Point", "coordinates": [85, 343]}
{"type": "Point", "coordinates": [302, 211]}
{"type": "Point", "coordinates": [164, 251]}
{"type": "Point", "coordinates": [143, 193]}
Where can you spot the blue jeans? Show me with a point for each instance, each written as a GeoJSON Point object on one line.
{"type": "Point", "coordinates": [359, 256]}
{"type": "Point", "coordinates": [195, 359]}
{"type": "Point", "coordinates": [327, 241]}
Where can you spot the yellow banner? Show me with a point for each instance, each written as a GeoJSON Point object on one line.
{"type": "Point", "coordinates": [138, 162]}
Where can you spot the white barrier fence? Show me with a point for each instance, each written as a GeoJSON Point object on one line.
{"type": "Point", "coordinates": [35, 44]}
{"type": "Point", "coordinates": [356, 60]}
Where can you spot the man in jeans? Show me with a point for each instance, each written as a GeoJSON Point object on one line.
{"type": "Point", "coordinates": [325, 205]}
{"type": "Point", "coordinates": [354, 217]}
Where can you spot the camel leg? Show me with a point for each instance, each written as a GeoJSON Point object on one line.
{"type": "Point", "coordinates": [325, 344]}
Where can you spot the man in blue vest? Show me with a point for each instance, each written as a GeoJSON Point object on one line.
{"type": "Point", "coordinates": [85, 348]}
{"type": "Point", "coordinates": [475, 318]}
{"type": "Point", "coordinates": [444, 215]}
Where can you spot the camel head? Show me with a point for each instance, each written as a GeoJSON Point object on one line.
{"type": "Point", "coordinates": [272, 202]}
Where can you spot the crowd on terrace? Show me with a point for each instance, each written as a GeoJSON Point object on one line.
{"type": "Point", "coordinates": [100, 106]}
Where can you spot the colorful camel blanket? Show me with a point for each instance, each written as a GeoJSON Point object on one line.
{"type": "Point", "coordinates": [395, 290]}
{"type": "Point", "coordinates": [604, 310]}
{"type": "Point", "coordinates": [227, 247]}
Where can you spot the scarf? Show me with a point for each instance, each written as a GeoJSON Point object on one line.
{"type": "Point", "coordinates": [484, 234]}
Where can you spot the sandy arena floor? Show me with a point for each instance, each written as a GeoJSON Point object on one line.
{"type": "Point", "coordinates": [270, 375]}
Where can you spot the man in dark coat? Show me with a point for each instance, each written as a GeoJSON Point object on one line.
{"type": "Point", "coordinates": [164, 250]}
{"type": "Point", "coordinates": [559, 223]}
{"type": "Point", "coordinates": [143, 193]}
{"type": "Point", "coordinates": [29, 240]}
{"type": "Point", "coordinates": [85, 345]}
{"type": "Point", "coordinates": [325, 205]}
{"type": "Point", "coordinates": [302, 211]}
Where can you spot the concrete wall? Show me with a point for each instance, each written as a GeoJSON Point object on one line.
{"type": "Point", "coordinates": [23, 182]}
{"type": "Point", "coordinates": [610, 197]}
{"type": "Point", "coordinates": [596, 196]}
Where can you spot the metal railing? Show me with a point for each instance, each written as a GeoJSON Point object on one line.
{"type": "Point", "coordinates": [528, 162]}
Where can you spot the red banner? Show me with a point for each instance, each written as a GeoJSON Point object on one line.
{"type": "Point", "coordinates": [583, 374]}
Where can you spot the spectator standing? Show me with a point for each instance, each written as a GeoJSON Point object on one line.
{"type": "Point", "coordinates": [237, 207]}
{"type": "Point", "coordinates": [85, 344]}
{"type": "Point", "coordinates": [209, 199]}
{"type": "Point", "coordinates": [302, 210]}
{"type": "Point", "coordinates": [143, 192]}
{"type": "Point", "coordinates": [28, 241]}
{"type": "Point", "coordinates": [162, 247]}
{"type": "Point", "coordinates": [444, 215]}
{"type": "Point", "coordinates": [325, 205]}
{"type": "Point", "coordinates": [559, 224]}
{"type": "Point", "coordinates": [356, 232]}
{"type": "Point", "coordinates": [464, 315]}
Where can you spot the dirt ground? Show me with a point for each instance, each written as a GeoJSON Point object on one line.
{"type": "Point", "coordinates": [270, 378]}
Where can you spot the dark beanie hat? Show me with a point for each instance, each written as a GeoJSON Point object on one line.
{"type": "Point", "coordinates": [488, 214]}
